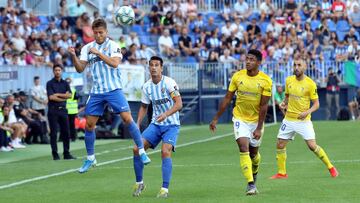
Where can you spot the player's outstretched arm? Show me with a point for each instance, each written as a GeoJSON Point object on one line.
{"type": "Point", "coordinates": [142, 112]}
{"type": "Point", "coordinates": [224, 104]}
{"type": "Point", "coordinates": [79, 64]}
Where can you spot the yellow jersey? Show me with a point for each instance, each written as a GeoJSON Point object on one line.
{"type": "Point", "coordinates": [248, 94]}
{"type": "Point", "coordinates": [300, 94]}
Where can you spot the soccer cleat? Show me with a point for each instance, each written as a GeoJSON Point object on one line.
{"type": "Point", "coordinates": [86, 166]}
{"type": "Point", "coordinates": [145, 159]}
{"type": "Point", "coordinates": [251, 189]}
{"type": "Point", "coordinates": [333, 172]}
{"type": "Point", "coordinates": [162, 193]}
{"type": "Point", "coordinates": [138, 188]}
{"type": "Point", "coordinates": [279, 176]}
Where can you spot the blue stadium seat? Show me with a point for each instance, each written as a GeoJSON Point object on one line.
{"type": "Point", "coordinates": [43, 20]}
{"type": "Point", "coordinates": [342, 25]}
{"type": "Point", "coordinates": [137, 28]}
{"type": "Point", "coordinates": [190, 59]}
{"type": "Point", "coordinates": [193, 37]}
{"type": "Point", "coordinates": [314, 24]}
{"type": "Point", "coordinates": [263, 27]}
{"type": "Point", "coordinates": [302, 15]}
{"type": "Point", "coordinates": [175, 38]}
{"type": "Point", "coordinates": [144, 39]}
{"type": "Point", "coordinates": [332, 25]}
{"type": "Point", "coordinates": [341, 35]}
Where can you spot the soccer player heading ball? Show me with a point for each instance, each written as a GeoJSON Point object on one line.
{"type": "Point", "coordinates": [253, 91]}
{"type": "Point", "coordinates": [299, 91]}
{"type": "Point", "coordinates": [103, 58]}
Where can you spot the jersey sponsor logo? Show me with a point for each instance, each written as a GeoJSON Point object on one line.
{"type": "Point", "coordinates": [94, 60]}
{"type": "Point", "coordinates": [161, 101]}
{"type": "Point", "coordinates": [118, 50]}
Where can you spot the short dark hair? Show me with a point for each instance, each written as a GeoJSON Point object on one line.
{"type": "Point", "coordinates": [36, 78]}
{"type": "Point", "coordinates": [99, 23]}
{"type": "Point", "coordinates": [57, 66]}
{"type": "Point", "coordinates": [256, 53]}
{"type": "Point", "coordinates": [157, 58]}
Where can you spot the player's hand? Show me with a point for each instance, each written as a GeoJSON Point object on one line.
{"type": "Point", "coordinates": [283, 106]}
{"type": "Point", "coordinates": [303, 115]}
{"type": "Point", "coordinates": [212, 125]}
{"type": "Point", "coordinates": [161, 117]}
{"type": "Point", "coordinates": [93, 50]}
{"type": "Point", "coordinates": [257, 134]}
{"type": "Point", "coordinates": [71, 50]}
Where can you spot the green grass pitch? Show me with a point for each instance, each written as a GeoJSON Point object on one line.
{"type": "Point", "coordinates": [206, 169]}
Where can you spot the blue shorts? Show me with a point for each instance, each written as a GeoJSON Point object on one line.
{"type": "Point", "coordinates": [96, 103]}
{"type": "Point", "coordinates": [156, 133]}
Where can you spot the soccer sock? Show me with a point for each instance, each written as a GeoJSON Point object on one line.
{"type": "Point", "coordinates": [281, 160]}
{"type": "Point", "coordinates": [323, 157]}
{"type": "Point", "coordinates": [255, 163]}
{"type": "Point", "coordinates": [138, 168]}
{"type": "Point", "coordinates": [89, 142]}
{"type": "Point", "coordinates": [136, 134]}
{"type": "Point", "coordinates": [166, 171]}
{"type": "Point", "coordinates": [245, 165]}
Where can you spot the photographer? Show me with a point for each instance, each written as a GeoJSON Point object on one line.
{"type": "Point", "coordinates": [332, 92]}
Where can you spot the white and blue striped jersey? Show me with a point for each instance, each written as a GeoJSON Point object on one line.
{"type": "Point", "coordinates": [105, 78]}
{"type": "Point", "coordinates": [160, 97]}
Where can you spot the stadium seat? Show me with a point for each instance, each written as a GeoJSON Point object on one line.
{"type": "Point", "coordinates": [263, 27]}
{"type": "Point", "coordinates": [144, 39]}
{"type": "Point", "coordinates": [314, 24]}
{"type": "Point", "coordinates": [190, 59]}
{"type": "Point", "coordinates": [342, 25]}
{"type": "Point", "coordinates": [43, 20]}
{"type": "Point", "coordinates": [341, 35]}
{"type": "Point", "coordinates": [302, 15]}
{"type": "Point", "coordinates": [137, 28]}
{"type": "Point", "coordinates": [332, 25]}
{"type": "Point", "coordinates": [193, 37]}
{"type": "Point", "coordinates": [175, 38]}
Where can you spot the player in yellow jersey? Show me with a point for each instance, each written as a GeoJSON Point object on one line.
{"type": "Point", "coordinates": [253, 90]}
{"type": "Point", "coordinates": [299, 91]}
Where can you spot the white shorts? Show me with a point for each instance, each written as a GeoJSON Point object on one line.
{"type": "Point", "coordinates": [289, 128]}
{"type": "Point", "coordinates": [243, 129]}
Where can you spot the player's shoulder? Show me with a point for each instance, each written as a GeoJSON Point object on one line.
{"type": "Point", "coordinates": [239, 73]}
{"type": "Point", "coordinates": [168, 79]}
{"type": "Point", "coordinates": [264, 76]}
{"type": "Point", "coordinates": [291, 78]}
{"type": "Point", "coordinates": [90, 44]}
{"type": "Point", "coordinates": [147, 83]}
{"type": "Point", "coordinates": [310, 81]}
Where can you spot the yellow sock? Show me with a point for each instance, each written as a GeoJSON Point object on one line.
{"type": "Point", "coordinates": [323, 157]}
{"type": "Point", "coordinates": [255, 163]}
{"type": "Point", "coordinates": [245, 164]}
{"type": "Point", "coordinates": [281, 160]}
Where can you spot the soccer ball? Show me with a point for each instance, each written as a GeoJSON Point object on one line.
{"type": "Point", "coordinates": [125, 15]}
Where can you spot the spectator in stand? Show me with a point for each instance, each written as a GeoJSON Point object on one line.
{"type": "Point", "coordinates": [210, 26]}
{"type": "Point", "coordinates": [341, 52]}
{"type": "Point", "coordinates": [226, 29]}
{"type": "Point", "coordinates": [145, 53]}
{"type": "Point", "coordinates": [350, 5]}
{"type": "Point", "coordinates": [234, 44]}
{"type": "Point", "coordinates": [63, 12]}
{"type": "Point", "coordinates": [328, 50]}
{"type": "Point", "coordinates": [242, 9]}
{"type": "Point", "coordinates": [38, 96]}
{"type": "Point", "coordinates": [334, 39]}
{"type": "Point", "coordinates": [179, 21]}
{"type": "Point", "coordinates": [352, 50]}
{"type": "Point", "coordinates": [315, 50]}
{"type": "Point", "coordinates": [19, 42]}
{"type": "Point", "coordinates": [227, 59]}
{"type": "Point", "coordinates": [354, 18]}
{"type": "Point", "coordinates": [111, 8]}
{"type": "Point", "coordinates": [201, 41]}
{"type": "Point", "coordinates": [204, 54]}
{"type": "Point", "coordinates": [349, 37]}
{"type": "Point", "coordinates": [339, 10]}
{"type": "Point", "coordinates": [214, 41]}
{"type": "Point", "coordinates": [290, 7]}
{"type": "Point", "coordinates": [326, 9]}
{"type": "Point", "coordinates": [167, 22]}
{"type": "Point", "coordinates": [191, 10]}
{"type": "Point", "coordinates": [253, 29]}
{"type": "Point", "coordinates": [76, 9]}
{"type": "Point", "coordinates": [267, 10]}
{"type": "Point", "coordinates": [185, 44]}
{"type": "Point", "coordinates": [226, 12]}
{"type": "Point", "coordinates": [166, 45]}
{"type": "Point", "coordinates": [19, 128]}
{"type": "Point", "coordinates": [199, 24]}
{"type": "Point", "coordinates": [65, 27]}
{"type": "Point", "coordinates": [44, 40]}
{"type": "Point", "coordinates": [213, 57]}
{"type": "Point", "coordinates": [155, 16]}
{"type": "Point", "coordinates": [4, 129]}
{"type": "Point", "coordinates": [311, 9]}
{"type": "Point", "coordinates": [132, 39]}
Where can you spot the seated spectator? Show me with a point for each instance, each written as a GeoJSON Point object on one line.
{"type": "Point", "coordinates": [267, 10]}
{"type": "Point", "coordinates": [76, 9]}
{"type": "Point", "coordinates": [44, 41]}
{"type": "Point", "coordinates": [253, 29]}
{"type": "Point", "coordinates": [290, 7]}
{"type": "Point", "coordinates": [328, 50]}
{"type": "Point", "coordinates": [235, 44]}
{"type": "Point", "coordinates": [65, 27]}
{"type": "Point", "coordinates": [311, 9]}
{"type": "Point", "coordinates": [132, 39]}
{"type": "Point", "coordinates": [64, 41]}
{"type": "Point", "coordinates": [226, 12]}
{"type": "Point", "coordinates": [213, 57]}
{"type": "Point", "coordinates": [341, 52]}
{"type": "Point", "coordinates": [226, 29]}
{"type": "Point", "coordinates": [354, 106]}
{"type": "Point", "coordinates": [326, 9]}
{"type": "Point", "coordinates": [214, 41]}
{"type": "Point", "coordinates": [179, 21]}
{"type": "Point", "coordinates": [274, 27]}
{"type": "Point", "coordinates": [334, 39]}
{"type": "Point", "coordinates": [198, 23]}
{"type": "Point", "coordinates": [4, 128]}
{"type": "Point", "coordinates": [191, 11]}
{"type": "Point", "coordinates": [155, 16]}
{"type": "Point", "coordinates": [210, 26]}
{"type": "Point", "coordinates": [204, 54]}
{"type": "Point", "coordinates": [242, 9]}
{"type": "Point", "coordinates": [227, 59]}
{"type": "Point", "coordinates": [350, 5]}
{"type": "Point", "coordinates": [354, 18]}
{"type": "Point", "coordinates": [316, 50]}
{"type": "Point", "coordinates": [167, 22]}
{"type": "Point", "coordinates": [63, 12]}
{"type": "Point", "coordinates": [185, 44]}
{"type": "Point", "coordinates": [166, 45]}
{"type": "Point", "coordinates": [349, 37]}
{"type": "Point", "coordinates": [145, 53]}
{"type": "Point", "coordinates": [111, 9]}
{"type": "Point", "coordinates": [352, 50]}
{"type": "Point", "coordinates": [338, 8]}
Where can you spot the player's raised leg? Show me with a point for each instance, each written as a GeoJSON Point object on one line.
{"type": "Point", "coordinates": [138, 169]}
{"type": "Point", "coordinates": [136, 135]}
{"type": "Point", "coordinates": [321, 154]}
{"type": "Point", "coordinates": [89, 143]}
{"type": "Point", "coordinates": [281, 159]}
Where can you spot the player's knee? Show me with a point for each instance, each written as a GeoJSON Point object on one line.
{"type": "Point", "coordinates": [136, 150]}
{"type": "Point", "coordinates": [280, 145]}
{"type": "Point", "coordinates": [89, 126]}
{"type": "Point", "coordinates": [312, 147]}
{"type": "Point", "coordinates": [127, 119]}
{"type": "Point", "coordinates": [165, 152]}
{"type": "Point", "coordinates": [244, 148]}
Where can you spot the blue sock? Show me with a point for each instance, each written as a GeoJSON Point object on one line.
{"type": "Point", "coordinates": [166, 171]}
{"type": "Point", "coordinates": [89, 142]}
{"type": "Point", "coordinates": [136, 134]}
{"type": "Point", "coordinates": [138, 168]}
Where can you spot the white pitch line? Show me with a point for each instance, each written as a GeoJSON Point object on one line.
{"type": "Point", "coordinates": [109, 162]}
